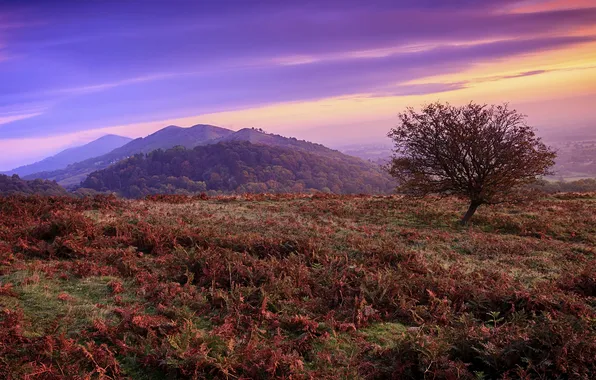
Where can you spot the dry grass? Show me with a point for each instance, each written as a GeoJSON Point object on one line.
{"type": "Point", "coordinates": [294, 286]}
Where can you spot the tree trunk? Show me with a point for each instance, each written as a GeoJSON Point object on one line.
{"type": "Point", "coordinates": [471, 210]}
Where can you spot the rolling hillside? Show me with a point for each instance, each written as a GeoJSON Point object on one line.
{"type": "Point", "coordinates": [239, 167]}
{"type": "Point", "coordinates": [256, 136]}
{"type": "Point", "coordinates": [165, 138]}
{"type": "Point", "coordinates": [69, 156]}
{"type": "Point", "coordinates": [172, 136]}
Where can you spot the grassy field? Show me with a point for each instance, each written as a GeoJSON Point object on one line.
{"type": "Point", "coordinates": [341, 287]}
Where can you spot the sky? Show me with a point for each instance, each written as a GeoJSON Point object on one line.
{"type": "Point", "coordinates": [331, 71]}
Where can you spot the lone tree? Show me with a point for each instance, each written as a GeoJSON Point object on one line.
{"type": "Point", "coordinates": [484, 153]}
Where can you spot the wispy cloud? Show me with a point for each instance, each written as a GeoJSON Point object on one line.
{"type": "Point", "coordinates": [20, 112]}
{"type": "Point", "coordinates": [550, 5]}
{"type": "Point", "coordinates": [125, 82]}
{"type": "Point", "coordinates": [99, 64]}
{"type": "Point", "coordinates": [9, 118]}
{"type": "Point", "coordinates": [527, 74]}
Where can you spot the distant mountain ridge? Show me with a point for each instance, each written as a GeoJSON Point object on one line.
{"type": "Point", "coordinates": [69, 156]}
{"type": "Point", "coordinates": [257, 136]}
{"type": "Point", "coordinates": [164, 138]}
{"type": "Point", "coordinates": [171, 136]}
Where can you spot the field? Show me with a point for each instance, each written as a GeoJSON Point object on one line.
{"type": "Point", "coordinates": [296, 287]}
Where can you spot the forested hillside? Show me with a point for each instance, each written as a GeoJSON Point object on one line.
{"type": "Point", "coordinates": [165, 138]}
{"type": "Point", "coordinates": [171, 136]}
{"type": "Point", "coordinates": [10, 185]}
{"type": "Point", "coordinates": [238, 167]}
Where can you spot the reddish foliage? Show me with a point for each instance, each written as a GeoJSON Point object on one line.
{"type": "Point", "coordinates": [50, 357]}
{"type": "Point", "coordinates": [206, 298]}
{"type": "Point", "coordinates": [116, 287]}
{"type": "Point", "coordinates": [65, 297]}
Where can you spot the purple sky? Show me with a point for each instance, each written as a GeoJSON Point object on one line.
{"type": "Point", "coordinates": [73, 70]}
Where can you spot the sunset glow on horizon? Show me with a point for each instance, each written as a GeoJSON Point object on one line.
{"type": "Point", "coordinates": [331, 72]}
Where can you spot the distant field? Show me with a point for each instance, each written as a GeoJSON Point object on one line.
{"type": "Point", "coordinates": [571, 177]}
{"type": "Point", "coordinates": [577, 177]}
{"type": "Point", "coordinates": [295, 286]}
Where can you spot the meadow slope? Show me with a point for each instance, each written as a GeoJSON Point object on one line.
{"type": "Point", "coordinates": [295, 286]}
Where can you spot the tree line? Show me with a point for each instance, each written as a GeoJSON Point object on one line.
{"type": "Point", "coordinates": [12, 185]}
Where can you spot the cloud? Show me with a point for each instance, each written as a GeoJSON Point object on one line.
{"type": "Point", "coordinates": [420, 89]}
{"type": "Point", "coordinates": [167, 95]}
{"type": "Point", "coordinates": [124, 82]}
{"type": "Point", "coordinates": [20, 112]}
{"type": "Point", "coordinates": [190, 38]}
{"type": "Point", "coordinates": [97, 64]}
{"type": "Point", "coordinates": [4, 119]}
{"type": "Point", "coordinates": [333, 121]}
{"type": "Point", "coordinates": [526, 74]}
{"type": "Point", "coordinates": [550, 5]}
{"type": "Point", "coordinates": [159, 38]}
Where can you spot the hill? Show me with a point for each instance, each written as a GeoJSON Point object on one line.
{"type": "Point", "coordinates": [290, 286]}
{"type": "Point", "coordinates": [165, 138]}
{"type": "Point", "coordinates": [170, 137]}
{"type": "Point", "coordinates": [69, 156]}
{"type": "Point", "coordinates": [375, 152]}
{"type": "Point", "coordinates": [13, 185]}
{"type": "Point", "coordinates": [257, 136]}
{"type": "Point", "coordinates": [239, 166]}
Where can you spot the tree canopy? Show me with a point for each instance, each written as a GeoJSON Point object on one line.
{"type": "Point", "coordinates": [485, 153]}
{"type": "Point", "coordinates": [12, 185]}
